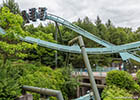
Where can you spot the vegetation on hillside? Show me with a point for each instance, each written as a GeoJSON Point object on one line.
{"type": "Point", "coordinates": [15, 74]}
{"type": "Point", "coordinates": [22, 63]}
{"type": "Point", "coordinates": [120, 85]}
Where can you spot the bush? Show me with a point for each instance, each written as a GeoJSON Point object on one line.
{"type": "Point", "coordinates": [16, 74]}
{"type": "Point", "coordinates": [70, 85]}
{"type": "Point", "coordinates": [116, 93]}
{"type": "Point", "coordinates": [121, 79]}
{"type": "Point", "coordinates": [45, 77]}
{"type": "Point", "coordinates": [9, 85]}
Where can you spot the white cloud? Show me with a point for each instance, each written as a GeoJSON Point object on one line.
{"type": "Point", "coordinates": [124, 13]}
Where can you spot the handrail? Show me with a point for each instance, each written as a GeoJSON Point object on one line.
{"type": "Point", "coordinates": [44, 91]}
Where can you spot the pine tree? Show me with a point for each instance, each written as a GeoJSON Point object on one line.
{"type": "Point", "coordinates": [12, 5]}
{"type": "Point", "coordinates": [109, 24]}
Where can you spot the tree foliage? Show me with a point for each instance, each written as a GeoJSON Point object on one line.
{"type": "Point", "coordinates": [15, 74]}
{"type": "Point", "coordinates": [9, 84]}
{"type": "Point", "coordinates": [12, 5]}
{"type": "Point", "coordinates": [108, 32]}
{"type": "Point", "coordinates": [138, 76]}
{"type": "Point", "coordinates": [32, 70]}
{"type": "Point", "coordinates": [115, 93]}
{"type": "Point", "coordinates": [10, 44]}
{"type": "Point", "coordinates": [122, 80]}
{"type": "Point", "coordinates": [42, 54]}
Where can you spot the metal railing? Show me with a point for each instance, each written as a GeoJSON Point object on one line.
{"type": "Point", "coordinates": [100, 70]}
{"type": "Point", "coordinates": [43, 91]}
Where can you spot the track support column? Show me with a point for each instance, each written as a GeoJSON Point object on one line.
{"type": "Point", "coordinates": [56, 41]}
{"type": "Point", "coordinates": [88, 66]}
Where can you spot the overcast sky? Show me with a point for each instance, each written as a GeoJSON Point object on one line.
{"type": "Point", "coordinates": [124, 13]}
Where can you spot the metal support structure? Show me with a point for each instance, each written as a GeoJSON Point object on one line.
{"type": "Point", "coordinates": [89, 85]}
{"type": "Point", "coordinates": [58, 31]}
{"type": "Point", "coordinates": [88, 66]}
{"type": "Point", "coordinates": [56, 41]}
{"type": "Point", "coordinates": [122, 50]}
{"type": "Point", "coordinates": [91, 36]}
{"type": "Point", "coordinates": [56, 38]}
{"type": "Point", "coordinates": [67, 59]}
{"type": "Point", "coordinates": [44, 91]}
{"type": "Point", "coordinates": [130, 66]}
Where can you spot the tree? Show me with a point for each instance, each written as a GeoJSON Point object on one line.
{"type": "Point", "coordinates": [15, 48]}
{"type": "Point", "coordinates": [100, 28]}
{"type": "Point", "coordinates": [109, 24]}
{"type": "Point", "coordinates": [116, 93]}
{"type": "Point", "coordinates": [122, 80]}
{"type": "Point", "coordinates": [45, 77]}
{"type": "Point", "coordinates": [42, 54]}
{"type": "Point", "coordinates": [138, 76]}
{"type": "Point", "coordinates": [138, 30]}
{"type": "Point", "coordinates": [17, 73]}
{"type": "Point", "coordinates": [98, 21]}
{"type": "Point", "coordinates": [12, 5]}
{"type": "Point", "coordinates": [9, 86]}
{"type": "Point", "coordinates": [10, 46]}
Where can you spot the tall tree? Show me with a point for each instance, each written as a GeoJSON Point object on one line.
{"type": "Point", "coordinates": [100, 28]}
{"type": "Point", "coordinates": [138, 30]}
{"type": "Point", "coordinates": [10, 46]}
{"type": "Point", "coordinates": [12, 5]}
{"type": "Point", "coordinates": [109, 24]}
{"type": "Point", "coordinates": [42, 54]}
{"type": "Point", "coordinates": [98, 21]}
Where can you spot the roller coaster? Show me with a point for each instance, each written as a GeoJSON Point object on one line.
{"type": "Point", "coordinates": [125, 51]}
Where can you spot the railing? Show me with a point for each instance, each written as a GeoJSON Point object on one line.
{"type": "Point", "coordinates": [97, 69]}
{"type": "Point", "coordinates": [42, 91]}
{"type": "Point", "coordinates": [100, 70]}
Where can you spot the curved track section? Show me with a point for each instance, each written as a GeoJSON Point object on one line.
{"type": "Point", "coordinates": [88, 35]}
{"type": "Point", "coordinates": [76, 48]}
{"type": "Point", "coordinates": [78, 30]}
{"type": "Point", "coordinates": [122, 49]}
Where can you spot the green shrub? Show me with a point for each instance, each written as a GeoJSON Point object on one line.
{"type": "Point", "coordinates": [116, 93]}
{"type": "Point", "coordinates": [45, 77]}
{"type": "Point", "coordinates": [70, 85]}
{"type": "Point", "coordinates": [18, 73]}
{"type": "Point", "coordinates": [9, 86]}
{"type": "Point", "coordinates": [121, 79]}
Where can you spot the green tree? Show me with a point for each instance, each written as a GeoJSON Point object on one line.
{"type": "Point", "coordinates": [9, 85]}
{"type": "Point", "coordinates": [12, 5]}
{"type": "Point", "coordinates": [17, 73]}
{"type": "Point", "coordinates": [138, 30]}
{"type": "Point", "coordinates": [42, 54]}
{"type": "Point", "coordinates": [109, 24]}
{"type": "Point", "coordinates": [122, 80]}
{"type": "Point", "coordinates": [116, 93]}
{"type": "Point", "coordinates": [10, 46]}
{"type": "Point", "coordinates": [138, 76]}
{"type": "Point", "coordinates": [45, 77]}
{"type": "Point", "coordinates": [100, 28]}
{"type": "Point", "coordinates": [15, 48]}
